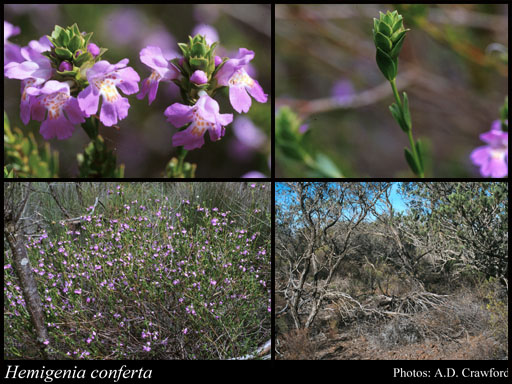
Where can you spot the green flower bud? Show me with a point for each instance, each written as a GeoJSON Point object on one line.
{"type": "Point", "coordinates": [388, 35]}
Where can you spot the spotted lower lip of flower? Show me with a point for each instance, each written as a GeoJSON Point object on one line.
{"type": "Point", "coordinates": [233, 75]}
{"type": "Point", "coordinates": [203, 116]}
{"type": "Point", "coordinates": [63, 110]}
{"type": "Point", "coordinates": [104, 79]}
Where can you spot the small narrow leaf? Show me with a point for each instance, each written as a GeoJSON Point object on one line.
{"type": "Point", "coordinates": [411, 161]}
{"type": "Point", "coordinates": [397, 115]}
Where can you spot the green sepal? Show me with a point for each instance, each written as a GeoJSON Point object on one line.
{"type": "Point", "coordinates": [71, 73]}
{"type": "Point", "coordinates": [411, 161]}
{"type": "Point", "coordinates": [74, 28]}
{"type": "Point", "coordinates": [198, 63]}
{"type": "Point", "coordinates": [386, 65]}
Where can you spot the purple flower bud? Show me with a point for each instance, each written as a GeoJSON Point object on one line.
{"type": "Point", "coordinates": [93, 49]}
{"type": "Point", "coordinates": [199, 77]}
{"type": "Point", "coordinates": [65, 66]}
{"type": "Point", "coordinates": [78, 53]}
{"type": "Point", "coordinates": [218, 60]}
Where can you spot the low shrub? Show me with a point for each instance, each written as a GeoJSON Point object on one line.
{"type": "Point", "coordinates": [154, 282]}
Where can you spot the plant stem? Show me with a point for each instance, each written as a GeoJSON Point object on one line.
{"type": "Point", "coordinates": [182, 153]}
{"type": "Point", "coordinates": [409, 131]}
{"type": "Point", "coordinates": [395, 93]}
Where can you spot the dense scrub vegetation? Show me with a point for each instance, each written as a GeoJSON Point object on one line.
{"type": "Point", "coordinates": [357, 278]}
{"type": "Point", "coordinates": [147, 271]}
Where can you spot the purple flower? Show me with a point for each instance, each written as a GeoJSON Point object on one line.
{"type": "Point", "coordinates": [214, 222]}
{"type": "Point", "coordinates": [33, 69]}
{"type": "Point", "coordinates": [162, 71]}
{"type": "Point", "coordinates": [247, 133]}
{"type": "Point", "coordinates": [93, 49]}
{"type": "Point", "coordinates": [65, 66]}
{"type": "Point", "coordinates": [204, 115]}
{"type": "Point", "coordinates": [199, 77]}
{"type": "Point", "coordinates": [210, 33]}
{"type": "Point", "coordinates": [103, 79]}
{"type": "Point", "coordinates": [63, 110]}
{"type": "Point", "coordinates": [492, 158]}
{"type": "Point", "coordinates": [254, 174]}
{"type": "Point", "coordinates": [343, 91]}
{"type": "Point", "coordinates": [12, 52]}
{"type": "Point", "coordinates": [233, 75]}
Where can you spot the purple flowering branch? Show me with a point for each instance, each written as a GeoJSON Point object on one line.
{"type": "Point", "coordinates": [63, 79]}
{"type": "Point", "coordinates": [199, 74]}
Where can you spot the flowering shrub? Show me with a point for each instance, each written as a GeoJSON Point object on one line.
{"type": "Point", "coordinates": [152, 281]}
{"type": "Point", "coordinates": [66, 81]}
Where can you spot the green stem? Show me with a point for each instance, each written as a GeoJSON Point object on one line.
{"type": "Point", "coordinates": [409, 131]}
{"type": "Point", "coordinates": [182, 153]}
{"type": "Point", "coordinates": [395, 93]}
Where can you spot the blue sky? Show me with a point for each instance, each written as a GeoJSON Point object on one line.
{"type": "Point", "coordinates": [395, 198]}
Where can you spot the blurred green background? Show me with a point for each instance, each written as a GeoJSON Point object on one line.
{"type": "Point", "coordinates": [450, 67]}
{"type": "Point", "coordinates": [143, 143]}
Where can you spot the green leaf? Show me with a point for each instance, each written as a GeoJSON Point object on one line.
{"type": "Point", "coordinates": [383, 42]}
{"type": "Point", "coordinates": [398, 24]}
{"type": "Point", "coordinates": [398, 45]}
{"type": "Point", "coordinates": [75, 30]}
{"type": "Point", "coordinates": [386, 65]}
{"type": "Point", "coordinates": [388, 18]}
{"type": "Point", "coordinates": [411, 161]}
{"type": "Point", "coordinates": [63, 53]}
{"type": "Point", "coordinates": [86, 56]}
{"type": "Point", "coordinates": [56, 34]}
{"type": "Point", "coordinates": [385, 29]}
{"type": "Point", "coordinates": [397, 115]}
{"type": "Point", "coordinates": [406, 113]}
{"type": "Point", "coordinates": [64, 38]}
{"type": "Point", "coordinates": [87, 37]}
{"type": "Point", "coordinates": [75, 43]}
{"type": "Point", "coordinates": [326, 167]}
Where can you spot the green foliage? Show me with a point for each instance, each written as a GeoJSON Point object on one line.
{"type": "Point", "coordinates": [152, 267]}
{"type": "Point", "coordinates": [23, 156]}
{"type": "Point", "coordinates": [470, 218]}
{"type": "Point", "coordinates": [70, 45]}
{"type": "Point", "coordinates": [388, 35]}
{"type": "Point", "coordinates": [98, 161]}
{"type": "Point", "coordinates": [294, 145]}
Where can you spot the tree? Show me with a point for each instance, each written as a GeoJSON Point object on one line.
{"type": "Point", "coordinates": [320, 217]}
{"type": "Point", "coordinates": [16, 196]}
{"type": "Point", "coordinates": [469, 221]}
